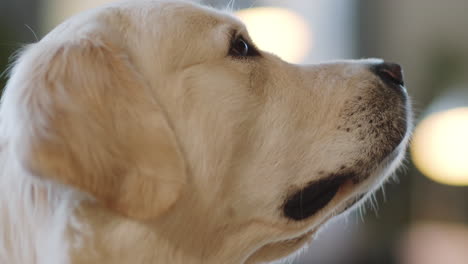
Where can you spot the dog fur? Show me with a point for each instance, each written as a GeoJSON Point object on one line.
{"type": "Point", "coordinates": [131, 134]}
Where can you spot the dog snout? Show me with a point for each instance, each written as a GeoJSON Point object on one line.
{"type": "Point", "coordinates": [390, 73]}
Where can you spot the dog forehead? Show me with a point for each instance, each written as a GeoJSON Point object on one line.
{"type": "Point", "coordinates": [140, 17]}
{"type": "Point", "coordinates": [174, 13]}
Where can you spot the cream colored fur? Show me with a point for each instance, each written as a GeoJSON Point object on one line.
{"type": "Point", "coordinates": [129, 135]}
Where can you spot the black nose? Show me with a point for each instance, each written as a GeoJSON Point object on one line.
{"type": "Point", "coordinates": [390, 73]}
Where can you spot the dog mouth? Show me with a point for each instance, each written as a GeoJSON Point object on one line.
{"type": "Point", "coordinates": [354, 183]}
{"type": "Point", "coordinates": [314, 197]}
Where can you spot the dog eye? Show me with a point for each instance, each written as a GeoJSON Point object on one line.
{"type": "Point", "coordinates": [241, 48]}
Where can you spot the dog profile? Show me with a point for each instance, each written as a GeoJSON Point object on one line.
{"type": "Point", "coordinates": [157, 132]}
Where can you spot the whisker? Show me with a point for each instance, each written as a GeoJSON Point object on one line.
{"type": "Point", "coordinates": [32, 31]}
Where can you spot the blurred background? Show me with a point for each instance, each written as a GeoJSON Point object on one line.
{"type": "Point", "coordinates": [422, 218]}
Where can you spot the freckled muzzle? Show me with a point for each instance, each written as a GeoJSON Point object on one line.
{"type": "Point", "coordinates": [380, 125]}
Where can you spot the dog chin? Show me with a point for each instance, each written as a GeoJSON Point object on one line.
{"type": "Point", "coordinates": [284, 249]}
{"type": "Point", "coordinates": [378, 175]}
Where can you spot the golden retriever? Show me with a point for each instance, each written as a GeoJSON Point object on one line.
{"type": "Point", "coordinates": [157, 132]}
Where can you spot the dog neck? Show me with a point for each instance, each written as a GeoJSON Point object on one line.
{"type": "Point", "coordinates": [42, 222]}
{"type": "Point", "coordinates": [107, 238]}
{"type": "Point", "coordinates": [45, 223]}
{"type": "Point", "coordinates": [34, 216]}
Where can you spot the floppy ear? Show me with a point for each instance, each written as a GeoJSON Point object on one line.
{"type": "Point", "coordinates": [94, 125]}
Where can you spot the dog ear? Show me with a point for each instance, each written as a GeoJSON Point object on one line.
{"type": "Point", "coordinates": [92, 123]}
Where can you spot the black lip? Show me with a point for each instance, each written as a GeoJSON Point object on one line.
{"type": "Point", "coordinates": [311, 199]}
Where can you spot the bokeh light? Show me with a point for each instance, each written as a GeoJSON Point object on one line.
{"type": "Point", "coordinates": [435, 243]}
{"type": "Point", "coordinates": [440, 147]}
{"type": "Point", "coordinates": [279, 31]}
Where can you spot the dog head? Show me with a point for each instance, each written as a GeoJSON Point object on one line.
{"type": "Point", "coordinates": [167, 113]}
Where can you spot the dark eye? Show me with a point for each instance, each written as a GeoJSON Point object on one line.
{"type": "Point", "coordinates": [241, 48]}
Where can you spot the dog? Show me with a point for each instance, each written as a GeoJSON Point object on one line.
{"type": "Point", "coordinates": [157, 132]}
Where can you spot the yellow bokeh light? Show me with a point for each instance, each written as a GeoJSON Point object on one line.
{"type": "Point", "coordinates": [279, 31]}
{"type": "Point", "coordinates": [440, 147]}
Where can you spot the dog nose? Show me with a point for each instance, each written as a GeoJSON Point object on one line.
{"type": "Point", "coordinates": [390, 73]}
